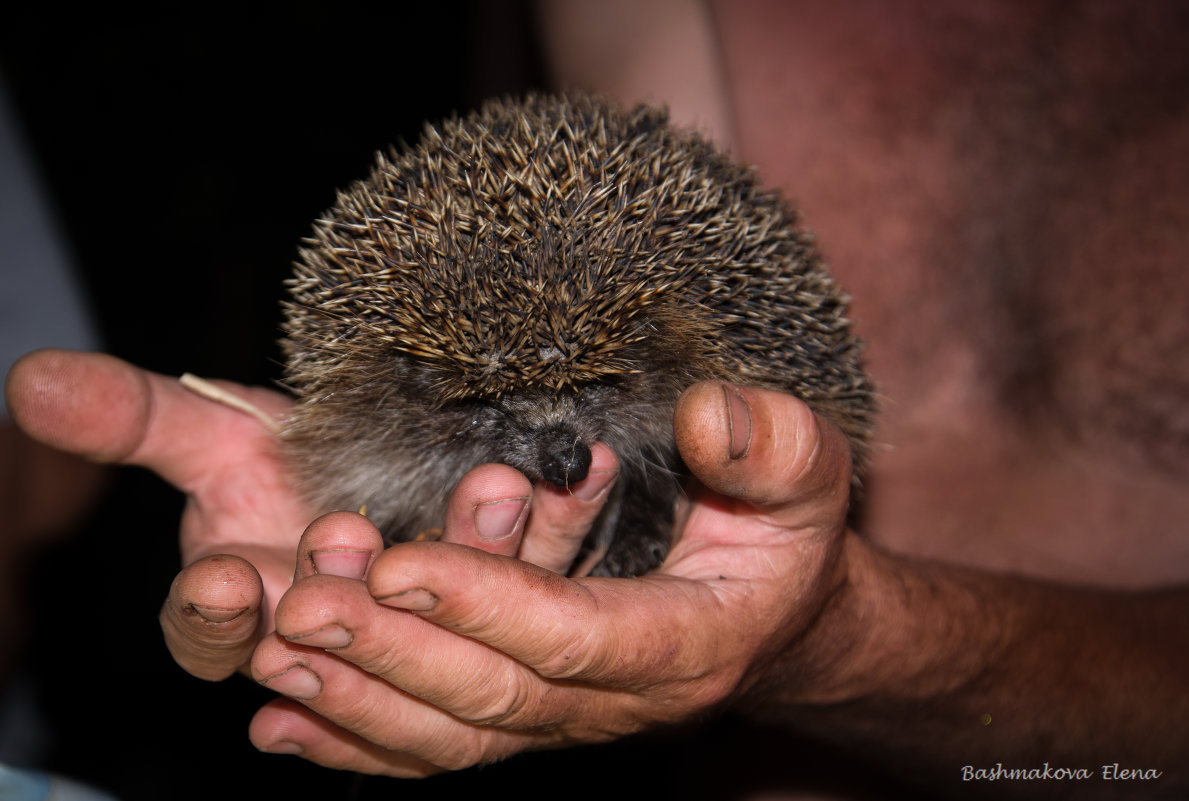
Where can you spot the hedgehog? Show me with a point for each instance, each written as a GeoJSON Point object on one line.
{"type": "Point", "coordinates": [539, 275]}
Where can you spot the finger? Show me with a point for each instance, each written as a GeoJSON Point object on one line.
{"type": "Point", "coordinates": [287, 727]}
{"type": "Point", "coordinates": [227, 461]}
{"type": "Point", "coordinates": [458, 675]}
{"type": "Point", "coordinates": [85, 403]}
{"type": "Point", "coordinates": [766, 448]}
{"type": "Point", "coordinates": [562, 517]}
{"type": "Point", "coordinates": [344, 656]}
{"type": "Point", "coordinates": [212, 616]}
{"type": "Point", "coordinates": [105, 409]}
{"type": "Point", "coordinates": [488, 509]}
{"type": "Point", "coordinates": [338, 544]}
{"type": "Point", "coordinates": [620, 634]}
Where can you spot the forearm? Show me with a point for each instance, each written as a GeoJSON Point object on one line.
{"type": "Point", "coordinates": [935, 668]}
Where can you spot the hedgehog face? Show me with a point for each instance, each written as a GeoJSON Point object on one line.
{"type": "Point", "coordinates": [407, 446]}
{"type": "Point", "coordinates": [548, 435]}
{"type": "Point", "coordinates": [544, 435]}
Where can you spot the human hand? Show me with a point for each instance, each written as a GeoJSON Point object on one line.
{"type": "Point", "coordinates": [242, 519]}
{"type": "Point", "coordinates": [469, 657]}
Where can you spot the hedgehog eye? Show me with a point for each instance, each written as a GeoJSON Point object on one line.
{"type": "Point", "coordinates": [474, 423]}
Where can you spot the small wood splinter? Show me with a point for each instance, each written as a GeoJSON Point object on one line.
{"type": "Point", "coordinates": [200, 386]}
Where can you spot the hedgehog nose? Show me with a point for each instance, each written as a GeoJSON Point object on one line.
{"type": "Point", "coordinates": [565, 460]}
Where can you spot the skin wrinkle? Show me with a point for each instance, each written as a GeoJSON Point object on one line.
{"type": "Point", "coordinates": [555, 666]}
{"type": "Point", "coordinates": [623, 666]}
{"type": "Point", "coordinates": [752, 684]}
{"type": "Point", "coordinates": [369, 717]}
{"type": "Point", "coordinates": [448, 752]}
{"type": "Point", "coordinates": [572, 659]}
{"type": "Point", "coordinates": [506, 705]}
{"type": "Point", "coordinates": [693, 682]}
{"type": "Point", "coordinates": [149, 415]}
{"type": "Point", "coordinates": [515, 698]}
{"type": "Point", "coordinates": [956, 675]}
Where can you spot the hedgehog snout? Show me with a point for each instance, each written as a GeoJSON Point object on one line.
{"type": "Point", "coordinates": [564, 457]}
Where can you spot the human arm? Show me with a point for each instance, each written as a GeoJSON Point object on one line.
{"type": "Point", "coordinates": [939, 672]}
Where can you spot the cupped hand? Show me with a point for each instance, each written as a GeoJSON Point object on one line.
{"type": "Point", "coordinates": [243, 519]}
{"type": "Point", "coordinates": [432, 657]}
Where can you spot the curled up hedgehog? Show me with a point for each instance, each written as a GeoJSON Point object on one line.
{"type": "Point", "coordinates": [533, 278]}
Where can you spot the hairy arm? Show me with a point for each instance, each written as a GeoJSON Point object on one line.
{"type": "Point", "coordinates": [932, 668]}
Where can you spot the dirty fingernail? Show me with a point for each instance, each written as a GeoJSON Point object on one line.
{"type": "Point", "coordinates": [739, 420]}
{"type": "Point", "coordinates": [415, 600]}
{"type": "Point", "coordinates": [214, 614]}
{"type": "Point", "coordinates": [341, 562]}
{"type": "Point", "coordinates": [297, 682]}
{"type": "Point", "coordinates": [329, 636]}
{"type": "Point", "coordinates": [498, 520]}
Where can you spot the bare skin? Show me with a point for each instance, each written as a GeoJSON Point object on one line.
{"type": "Point", "coordinates": [329, 621]}
{"type": "Point", "coordinates": [831, 620]}
{"type": "Point", "coordinates": [225, 461]}
{"type": "Point", "coordinates": [977, 176]}
{"type": "Point", "coordinates": [1018, 485]}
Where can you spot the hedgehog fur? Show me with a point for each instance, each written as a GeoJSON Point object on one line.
{"type": "Point", "coordinates": [537, 276]}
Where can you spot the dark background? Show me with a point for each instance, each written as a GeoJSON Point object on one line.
{"type": "Point", "coordinates": [185, 156]}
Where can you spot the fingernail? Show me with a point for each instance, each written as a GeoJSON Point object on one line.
{"type": "Point", "coordinates": [329, 636]}
{"type": "Point", "coordinates": [341, 562]}
{"type": "Point", "coordinates": [296, 682]}
{"type": "Point", "coordinates": [283, 747]}
{"type": "Point", "coordinates": [739, 422]}
{"type": "Point", "coordinates": [212, 614]}
{"type": "Point", "coordinates": [594, 485]}
{"type": "Point", "coordinates": [415, 600]}
{"type": "Point", "coordinates": [498, 520]}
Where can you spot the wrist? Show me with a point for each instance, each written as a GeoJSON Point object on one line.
{"type": "Point", "coordinates": [895, 631]}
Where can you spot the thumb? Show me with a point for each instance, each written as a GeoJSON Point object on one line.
{"type": "Point", "coordinates": [89, 404]}
{"type": "Point", "coordinates": [107, 410]}
{"type": "Point", "coordinates": [766, 448]}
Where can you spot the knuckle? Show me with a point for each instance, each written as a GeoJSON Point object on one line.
{"type": "Point", "coordinates": [589, 653]}
{"type": "Point", "coordinates": [450, 748]}
{"type": "Point", "coordinates": [570, 661]}
{"type": "Point", "coordinates": [463, 752]}
{"type": "Point", "coordinates": [509, 704]}
{"type": "Point", "coordinates": [580, 650]}
{"type": "Point", "coordinates": [714, 689]}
